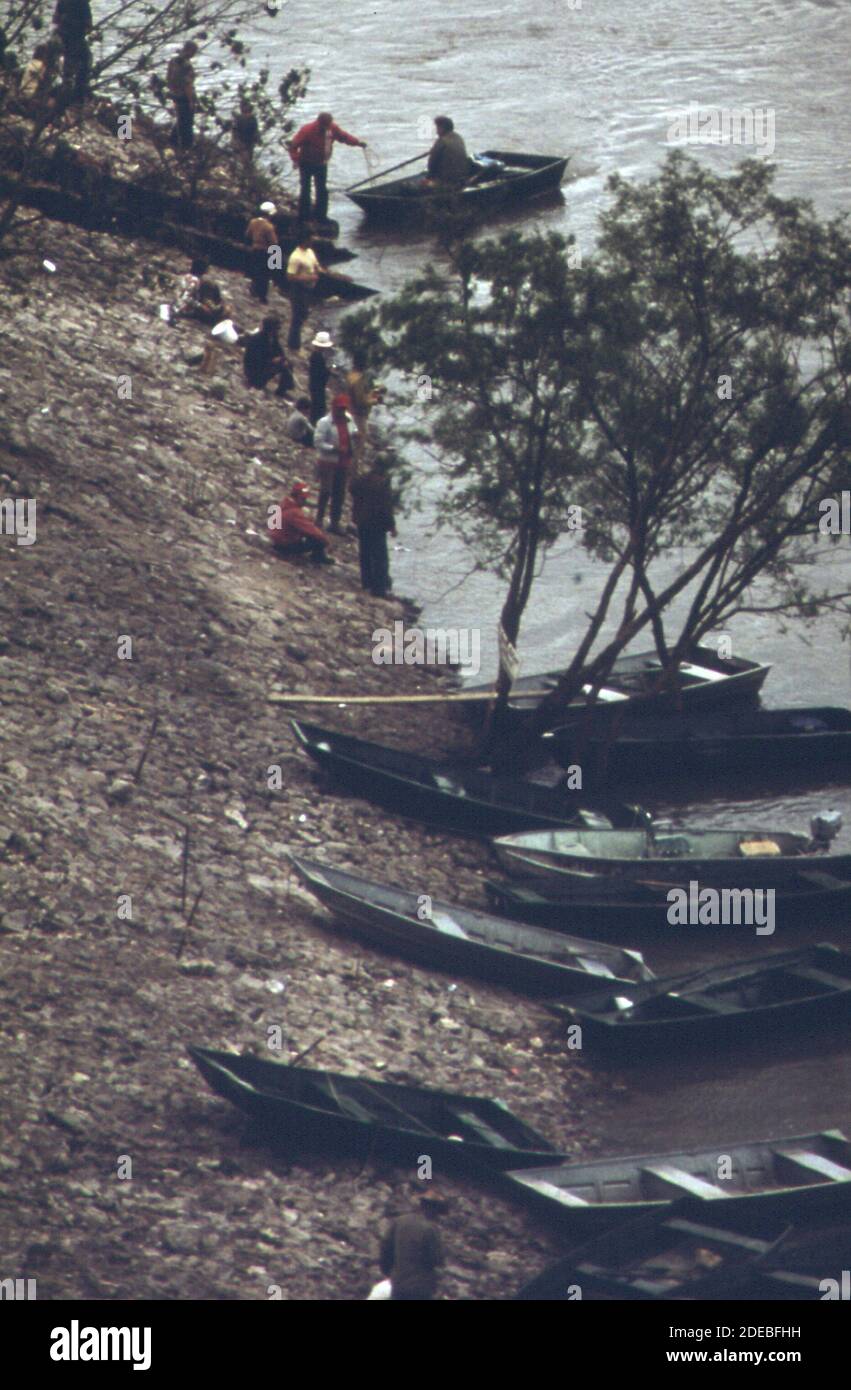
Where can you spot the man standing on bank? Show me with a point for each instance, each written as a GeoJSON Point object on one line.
{"type": "Point", "coordinates": [180, 80]}
{"type": "Point", "coordinates": [333, 439]}
{"type": "Point", "coordinates": [72, 20]}
{"type": "Point", "coordinates": [303, 271]}
{"type": "Point", "coordinates": [372, 512]}
{"type": "Point", "coordinates": [261, 236]}
{"type": "Point", "coordinates": [448, 161]}
{"type": "Point", "coordinates": [310, 150]}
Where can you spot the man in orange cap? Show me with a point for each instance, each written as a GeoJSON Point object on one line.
{"type": "Point", "coordinates": [292, 531]}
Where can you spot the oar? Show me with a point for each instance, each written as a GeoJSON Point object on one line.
{"type": "Point", "coordinates": [446, 698]}
{"type": "Point", "coordinates": [404, 164]}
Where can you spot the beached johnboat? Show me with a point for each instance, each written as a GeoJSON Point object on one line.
{"type": "Point", "coordinates": [498, 179]}
{"type": "Point", "coordinates": [333, 1113]}
{"type": "Point", "coordinates": [772, 1179]}
{"type": "Point", "coordinates": [626, 910]}
{"type": "Point", "coordinates": [462, 939]}
{"type": "Point", "coordinates": [723, 744]}
{"type": "Point", "coordinates": [635, 686]}
{"type": "Point", "coordinates": [461, 799]}
{"type": "Point", "coordinates": [792, 993]}
{"type": "Point", "coordinates": [698, 1253]}
{"type": "Point", "coordinates": [728, 858]}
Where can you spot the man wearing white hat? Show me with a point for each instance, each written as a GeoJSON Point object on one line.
{"type": "Point", "coordinates": [261, 236]}
{"type": "Point", "coordinates": [319, 374]}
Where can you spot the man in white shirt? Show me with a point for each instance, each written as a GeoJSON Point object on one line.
{"type": "Point", "coordinates": [303, 271]}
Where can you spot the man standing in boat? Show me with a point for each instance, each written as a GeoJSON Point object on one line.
{"type": "Point", "coordinates": [310, 150]}
{"type": "Point", "coordinates": [448, 161]}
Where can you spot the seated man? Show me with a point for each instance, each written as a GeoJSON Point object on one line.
{"type": "Point", "coordinates": [292, 531]}
{"type": "Point", "coordinates": [299, 427]}
{"type": "Point", "coordinates": [448, 161]}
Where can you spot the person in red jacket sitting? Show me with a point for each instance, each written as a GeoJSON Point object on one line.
{"type": "Point", "coordinates": [310, 150]}
{"type": "Point", "coordinates": [293, 532]}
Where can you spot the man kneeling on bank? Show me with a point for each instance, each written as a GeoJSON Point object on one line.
{"type": "Point", "coordinates": [293, 532]}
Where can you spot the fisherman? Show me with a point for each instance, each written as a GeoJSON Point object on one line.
{"type": "Point", "coordinates": [319, 374]}
{"type": "Point", "coordinates": [261, 236]}
{"type": "Point", "coordinates": [310, 150]}
{"type": "Point", "coordinates": [73, 22]}
{"type": "Point", "coordinates": [333, 443]}
{"type": "Point", "coordinates": [448, 161]}
{"type": "Point", "coordinates": [372, 513]}
{"type": "Point", "coordinates": [245, 131]}
{"type": "Point", "coordinates": [180, 80]}
{"type": "Point", "coordinates": [295, 533]}
{"type": "Point", "coordinates": [299, 427]}
{"type": "Point", "coordinates": [303, 271]}
{"type": "Point", "coordinates": [265, 359]}
{"type": "Point", "coordinates": [411, 1253]}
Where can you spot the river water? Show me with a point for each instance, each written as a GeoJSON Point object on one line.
{"type": "Point", "coordinates": [602, 81]}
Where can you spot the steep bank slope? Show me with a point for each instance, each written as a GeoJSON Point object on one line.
{"type": "Point", "coordinates": [151, 515]}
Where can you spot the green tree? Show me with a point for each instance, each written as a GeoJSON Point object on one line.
{"type": "Point", "coordinates": [686, 385]}
{"type": "Point", "coordinates": [131, 44]}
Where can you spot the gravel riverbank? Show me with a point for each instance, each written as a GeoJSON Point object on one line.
{"type": "Point", "coordinates": [151, 511]}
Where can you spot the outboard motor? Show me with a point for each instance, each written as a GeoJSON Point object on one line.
{"type": "Point", "coordinates": [825, 827]}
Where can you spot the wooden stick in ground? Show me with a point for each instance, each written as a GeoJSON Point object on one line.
{"type": "Point", "coordinates": [301, 1055]}
{"type": "Point", "coordinates": [144, 754]}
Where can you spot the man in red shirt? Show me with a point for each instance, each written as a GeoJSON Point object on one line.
{"type": "Point", "coordinates": [310, 150]}
{"type": "Point", "coordinates": [291, 530]}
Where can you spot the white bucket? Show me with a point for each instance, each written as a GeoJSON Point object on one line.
{"type": "Point", "coordinates": [226, 332]}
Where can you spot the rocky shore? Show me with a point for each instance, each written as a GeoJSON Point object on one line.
{"type": "Point", "coordinates": [145, 897]}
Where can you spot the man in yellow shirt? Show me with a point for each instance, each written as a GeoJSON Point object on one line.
{"type": "Point", "coordinates": [303, 271]}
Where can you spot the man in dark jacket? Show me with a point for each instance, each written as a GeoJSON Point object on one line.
{"type": "Point", "coordinates": [372, 512]}
{"type": "Point", "coordinates": [319, 374]}
{"type": "Point", "coordinates": [72, 20]}
{"type": "Point", "coordinates": [264, 358]}
{"type": "Point", "coordinates": [448, 161]}
{"type": "Point", "coordinates": [411, 1252]}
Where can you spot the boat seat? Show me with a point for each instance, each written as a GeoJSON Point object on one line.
{"type": "Point", "coordinates": [555, 1193]}
{"type": "Point", "coordinates": [816, 1163]}
{"type": "Point", "coordinates": [484, 1131]}
{"type": "Point", "coordinates": [683, 1181]}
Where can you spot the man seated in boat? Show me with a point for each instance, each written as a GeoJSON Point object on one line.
{"type": "Point", "coordinates": [448, 161]}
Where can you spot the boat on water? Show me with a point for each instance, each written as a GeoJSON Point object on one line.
{"type": "Point", "coordinates": [460, 799]}
{"type": "Point", "coordinates": [448, 936]}
{"type": "Point", "coordinates": [722, 744]}
{"type": "Point", "coordinates": [625, 910]}
{"type": "Point", "coordinates": [636, 684]}
{"type": "Point", "coordinates": [498, 179]}
{"type": "Point", "coordinates": [723, 1006]}
{"type": "Point", "coordinates": [771, 1179]}
{"type": "Point", "coordinates": [728, 858]}
{"type": "Point", "coordinates": [691, 1252]}
{"type": "Point", "coordinates": [305, 1110]}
